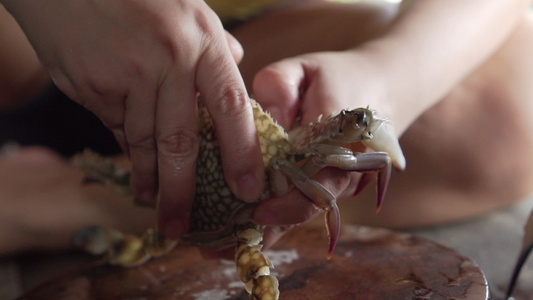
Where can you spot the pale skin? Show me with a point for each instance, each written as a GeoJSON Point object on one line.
{"type": "Point", "coordinates": [446, 112]}
{"type": "Point", "coordinates": [41, 209]}
{"type": "Point", "coordinates": [459, 109]}
{"type": "Point", "coordinates": [147, 97]}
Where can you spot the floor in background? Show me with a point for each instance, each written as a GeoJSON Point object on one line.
{"type": "Point", "coordinates": [493, 241]}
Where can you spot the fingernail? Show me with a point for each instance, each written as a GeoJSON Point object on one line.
{"type": "Point", "coordinates": [173, 228]}
{"type": "Point", "coordinates": [248, 187]}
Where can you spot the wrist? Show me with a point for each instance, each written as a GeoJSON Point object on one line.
{"type": "Point", "coordinates": [401, 95]}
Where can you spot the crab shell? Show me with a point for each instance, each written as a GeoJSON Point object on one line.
{"type": "Point", "coordinates": [217, 213]}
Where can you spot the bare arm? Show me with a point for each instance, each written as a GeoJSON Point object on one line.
{"type": "Point", "coordinates": [421, 57]}
{"type": "Point", "coordinates": [433, 45]}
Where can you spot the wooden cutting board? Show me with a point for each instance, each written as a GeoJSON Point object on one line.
{"type": "Point", "coordinates": [368, 264]}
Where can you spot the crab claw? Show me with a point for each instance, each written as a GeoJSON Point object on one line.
{"type": "Point", "coordinates": [384, 138]}
{"type": "Point", "coordinates": [320, 196]}
{"type": "Point", "coordinates": [333, 225]}
{"type": "Point", "coordinates": [383, 176]}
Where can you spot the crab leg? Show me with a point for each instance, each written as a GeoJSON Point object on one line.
{"type": "Point", "coordinates": [103, 170]}
{"type": "Point", "coordinates": [362, 162]}
{"type": "Point", "coordinates": [358, 162]}
{"type": "Point", "coordinates": [316, 192]}
{"type": "Point", "coordinates": [253, 266]}
{"type": "Point", "coordinates": [122, 249]}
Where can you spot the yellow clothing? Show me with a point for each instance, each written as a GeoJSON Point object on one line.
{"type": "Point", "coordinates": [239, 10]}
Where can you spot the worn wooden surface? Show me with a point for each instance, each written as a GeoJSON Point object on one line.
{"type": "Point", "coordinates": [370, 264]}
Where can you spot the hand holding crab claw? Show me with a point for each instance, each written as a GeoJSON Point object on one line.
{"type": "Point", "coordinates": [333, 145]}
{"type": "Point", "coordinates": [301, 89]}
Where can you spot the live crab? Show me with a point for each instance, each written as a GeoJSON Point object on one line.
{"type": "Point", "coordinates": [219, 220]}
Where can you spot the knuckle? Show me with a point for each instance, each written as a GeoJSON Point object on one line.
{"type": "Point", "coordinates": [265, 76]}
{"type": "Point", "coordinates": [112, 118]}
{"type": "Point", "coordinates": [339, 181]}
{"type": "Point", "coordinates": [336, 180]}
{"type": "Point", "coordinates": [342, 179]}
{"type": "Point", "coordinates": [178, 145]}
{"type": "Point", "coordinates": [142, 143]}
{"type": "Point", "coordinates": [99, 85]}
{"type": "Point", "coordinates": [207, 28]}
{"type": "Point", "coordinates": [65, 84]}
{"type": "Point", "coordinates": [231, 102]}
{"type": "Point", "coordinates": [138, 70]}
{"type": "Point", "coordinates": [207, 21]}
{"type": "Point", "coordinates": [272, 79]}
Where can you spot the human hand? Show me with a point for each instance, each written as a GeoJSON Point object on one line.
{"type": "Point", "coordinates": [42, 210]}
{"type": "Point", "coordinates": [305, 87]}
{"type": "Point", "coordinates": [311, 85]}
{"type": "Point", "coordinates": [139, 66]}
{"type": "Point", "coordinates": [286, 212]}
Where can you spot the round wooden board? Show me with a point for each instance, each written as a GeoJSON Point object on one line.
{"type": "Point", "coordinates": [368, 263]}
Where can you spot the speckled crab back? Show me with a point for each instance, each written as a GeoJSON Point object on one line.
{"type": "Point", "coordinates": [215, 205]}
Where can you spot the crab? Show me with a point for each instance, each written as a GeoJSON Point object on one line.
{"type": "Point", "coordinates": [220, 220]}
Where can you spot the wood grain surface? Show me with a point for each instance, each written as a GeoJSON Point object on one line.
{"type": "Point", "coordinates": [368, 264]}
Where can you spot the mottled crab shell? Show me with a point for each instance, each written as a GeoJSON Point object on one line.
{"type": "Point", "coordinates": [215, 208]}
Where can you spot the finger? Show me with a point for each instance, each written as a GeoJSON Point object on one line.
{"type": "Point", "coordinates": [177, 145]}
{"type": "Point", "coordinates": [106, 103]}
{"type": "Point", "coordinates": [274, 233]}
{"type": "Point", "coordinates": [296, 208]}
{"type": "Point", "coordinates": [120, 136]}
{"type": "Point", "coordinates": [139, 130]}
{"type": "Point", "coordinates": [292, 208]}
{"type": "Point", "coordinates": [322, 94]}
{"type": "Point", "coordinates": [235, 47]}
{"type": "Point", "coordinates": [277, 88]}
{"type": "Point", "coordinates": [226, 99]}
{"type": "Point", "coordinates": [112, 116]}
{"type": "Point", "coordinates": [320, 98]}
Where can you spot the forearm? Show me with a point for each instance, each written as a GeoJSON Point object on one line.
{"type": "Point", "coordinates": [434, 45]}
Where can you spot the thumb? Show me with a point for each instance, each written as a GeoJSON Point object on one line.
{"type": "Point", "coordinates": [276, 88]}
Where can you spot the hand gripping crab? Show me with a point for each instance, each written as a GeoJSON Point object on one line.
{"type": "Point", "coordinates": [219, 220]}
